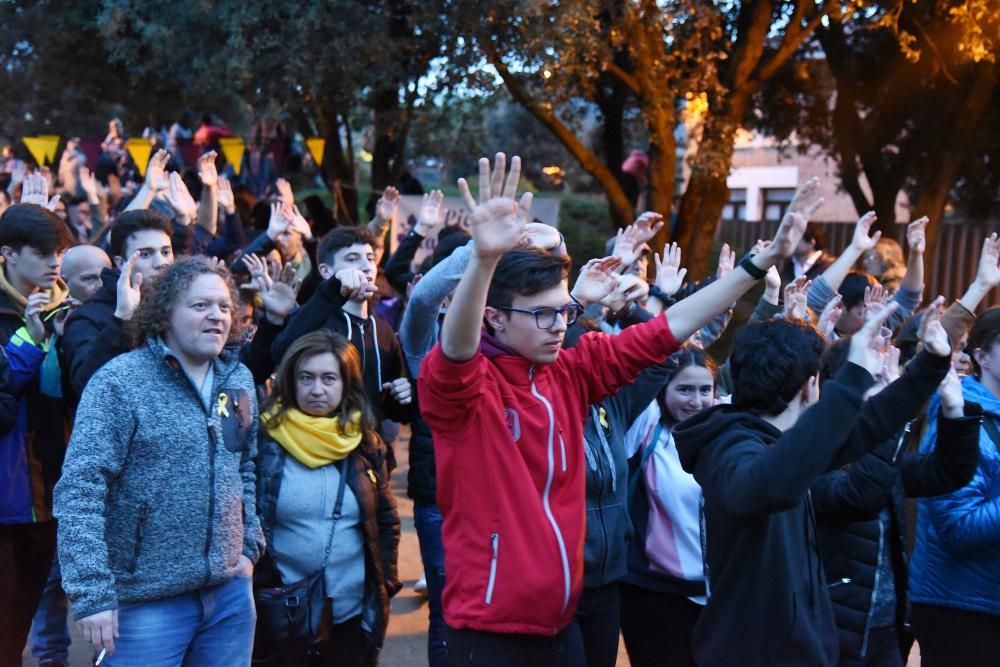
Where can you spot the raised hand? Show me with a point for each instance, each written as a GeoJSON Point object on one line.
{"type": "Point", "coordinates": [772, 284]}
{"type": "Point", "coordinates": [296, 221]}
{"type": "Point", "coordinates": [35, 190]}
{"type": "Point", "coordinates": [988, 274]}
{"type": "Point", "coordinates": [806, 199]}
{"type": "Point", "coordinates": [629, 288]}
{"type": "Point", "coordinates": [867, 346]}
{"type": "Point", "coordinates": [646, 226]}
{"type": "Point", "coordinates": [932, 333]}
{"type": "Point", "coordinates": [278, 223]}
{"type": "Point", "coordinates": [227, 200]}
{"type": "Point", "coordinates": [916, 234]}
{"type": "Point", "coordinates": [795, 298]}
{"type": "Point", "coordinates": [952, 399]}
{"type": "Point", "coordinates": [727, 262]}
{"type": "Point", "coordinates": [430, 217]}
{"type": "Point", "coordinates": [627, 245]}
{"type": "Point", "coordinates": [33, 316]}
{"type": "Point", "coordinates": [156, 176]}
{"type": "Point", "coordinates": [129, 293]}
{"type": "Point", "coordinates": [277, 286]}
{"type": "Point", "coordinates": [400, 390]}
{"type": "Point", "coordinates": [497, 221]}
{"type": "Point", "coordinates": [180, 199]}
{"type": "Point", "coordinates": [354, 284]}
{"type": "Point", "coordinates": [876, 295]}
{"type": "Point", "coordinates": [387, 204]}
{"type": "Point", "coordinates": [285, 192]}
{"type": "Point", "coordinates": [862, 240]}
{"type": "Point", "coordinates": [541, 236]}
{"type": "Point", "coordinates": [596, 280]}
{"type": "Point", "coordinates": [830, 316]}
{"type": "Point", "coordinates": [207, 171]}
{"type": "Point", "coordinates": [890, 365]}
{"type": "Point", "coordinates": [90, 186]}
{"type": "Point", "coordinates": [669, 274]}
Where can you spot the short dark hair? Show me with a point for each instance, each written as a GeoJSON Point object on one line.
{"type": "Point", "coordinates": [771, 361]}
{"type": "Point", "coordinates": [985, 332]}
{"type": "Point", "coordinates": [130, 222]}
{"type": "Point", "coordinates": [834, 359]}
{"type": "Point", "coordinates": [449, 243]}
{"type": "Point", "coordinates": [852, 290]}
{"type": "Point", "coordinates": [523, 272]}
{"type": "Point", "coordinates": [817, 237]}
{"type": "Point", "coordinates": [343, 237]}
{"type": "Point", "coordinates": [33, 226]}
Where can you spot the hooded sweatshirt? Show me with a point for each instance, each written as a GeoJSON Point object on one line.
{"type": "Point", "coordinates": [765, 583]}
{"type": "Point", "coordinates": [508, 439]}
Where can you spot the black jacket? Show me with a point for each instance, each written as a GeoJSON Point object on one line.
{"type": "Point", "coordinates": [93, 336]}
{"type": "Point", "coordinates": [262, 245]}
{"type": "Point", "coordinates": [848, 505]}
{"type": "Point", "coordinates": [767, 590]}
{"type": "Point", "coordinates": [9, 404]}
{"type": "Point", "coordinates": [368, 479]}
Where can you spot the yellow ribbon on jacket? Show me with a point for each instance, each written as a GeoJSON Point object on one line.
{"type": "Point", "coordinates": [315, 441]}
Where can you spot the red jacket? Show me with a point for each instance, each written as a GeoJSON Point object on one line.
{"type": "Point", "coordinates": [508, 441]}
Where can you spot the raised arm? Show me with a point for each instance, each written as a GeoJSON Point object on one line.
{"type": "Point", "coordinates": [497, 224]}
{"type": "Point", "coordinates": [827, 285]}
{"type": "Point", "coordinates": [916, 238]}
{"type": "Point", "coordinates": [690, 314]}
{"type": "Point", "coordinates": [154, 183]}
{"type": "Point", "coordinates": [208, 205]}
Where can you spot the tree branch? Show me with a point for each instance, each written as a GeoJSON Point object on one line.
{"type": "Point", "coordinates": [630, 81]}
{"type": "Point", "coordinates": [790, 44]}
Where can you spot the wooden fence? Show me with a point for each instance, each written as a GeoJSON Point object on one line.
{"type": "Point", "coordinates": [949, 272]}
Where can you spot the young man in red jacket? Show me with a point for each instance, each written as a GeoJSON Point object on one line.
{"type": "Point", "coordinates": [507, 408]}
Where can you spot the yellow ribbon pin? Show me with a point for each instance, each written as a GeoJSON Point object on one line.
{"type": "Point", "coordinates": [371, 474]}
{"type": "Point", "coordinates": [220, 406]}
{"type": "Point", "coordinates": [603, 416]}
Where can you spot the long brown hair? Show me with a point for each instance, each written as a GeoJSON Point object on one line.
{"type": "Point", "coordinates": [354, 397]}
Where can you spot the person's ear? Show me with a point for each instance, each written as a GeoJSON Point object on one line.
{"type": "Point", "coordinates": [7, 252]}
{"type": "Point", "coordinates": [810, 391]}
{"type": "Point", "coordinates": [325, 272]}
{"type": "Point", "coordinates": [978, 354]}
{"type": "Point", "coordinates": [495, 318]}
{"type": "Point", "coordinates": [119, 262]}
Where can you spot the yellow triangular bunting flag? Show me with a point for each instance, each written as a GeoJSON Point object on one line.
{"type": "Point", "coordinates": [232, 148]}
{"type": "Point", "coordinates": [316, 146]}
{"type": "Point", "coordinates": [140, 149]}
{"type": "Point", "coordinates": [43, 148]}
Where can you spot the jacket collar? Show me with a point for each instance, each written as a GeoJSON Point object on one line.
{"type": "Point", "coordinates": [516, 369]}
{"type": "Point", "coordinates": [222, 366]}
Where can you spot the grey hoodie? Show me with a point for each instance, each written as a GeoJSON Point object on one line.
{"type": "Point", "coordinates": [157, 495]}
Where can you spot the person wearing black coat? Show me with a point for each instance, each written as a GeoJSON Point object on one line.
{"type": "Point", "coordinates": [859, 512]}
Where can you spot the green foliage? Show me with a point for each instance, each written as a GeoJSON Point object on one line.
{"type": "Point", "coordinates": [585, 222]}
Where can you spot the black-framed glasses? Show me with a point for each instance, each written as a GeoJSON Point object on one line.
{"type": "Point", "coordinates": [545, 318]}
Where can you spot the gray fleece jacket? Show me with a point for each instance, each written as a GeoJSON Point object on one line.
{"type": "Point", "coordinates": [157, 495]}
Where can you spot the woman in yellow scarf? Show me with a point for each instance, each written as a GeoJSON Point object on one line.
{"type": "Point", "coordinates": [325, 505]}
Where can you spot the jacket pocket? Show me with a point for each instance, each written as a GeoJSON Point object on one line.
{"type": "Point", "coordinates": [491, 583]}
{"type": "Point", "coordinates": [233, 410]}
{"type": "Point", "coordinates": [140, 529]}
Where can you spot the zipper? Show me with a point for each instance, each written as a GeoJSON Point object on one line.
{"type": "Point", "coordinates": [562, 449]}
{"type": "Point", "coordinates": [839, 582]}
{"type": "Point", "coordinates": [211, 501]}
{"type": "Point", "coordinates": [140, 528]}
{"type": "Point", "coordinates": [548, 488]}
{"type": "Point", "coordinates": [871, 606]}
{"type": "Point", "coordinates": [495, 545]}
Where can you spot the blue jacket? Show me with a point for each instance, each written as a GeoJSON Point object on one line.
{"type": "Point", "coordinates": [25, 481]}
{"type": "Point", "coordinates": [956, 558]}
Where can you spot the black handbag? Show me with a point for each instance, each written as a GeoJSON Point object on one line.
{"type": "Point", "coordinates": [292, 619]}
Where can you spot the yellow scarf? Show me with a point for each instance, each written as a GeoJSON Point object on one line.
{"type": "Point", "coordinates": [315, 441]}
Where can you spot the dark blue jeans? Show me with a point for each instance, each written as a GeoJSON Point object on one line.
{"type": "Point", "coordinates": [49, 631]}
{"type": "Point", "coordinates": [427, 519]}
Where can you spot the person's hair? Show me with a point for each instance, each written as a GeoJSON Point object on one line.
{"type": "Point", "coordinates": [343, 237]}
{"type": "Point", "coordinates": [130, 222]}
{"type": "Point", "coordinates": [852, 290]}
{"type": "Point", "coordinates": [449, 243]}
{"type": "Point", "coordinates": [985, 332]}
{"type": "Point", "coordinates": [687, 356]}
{"type": "Point", "coordinates": [891, 253]}
{"type": "Point", "coordinates": [5, 196]}
{"type": "Point", "coordinates": [771, 361]}
{"type": "Point", "coordinates": [33, 226]}
{"type": "Point", "coordinates": [523, 272]}
{"type": "Point", "coordinates": [817, 237]}
{"type": "Point", "coordinates": [161, 294]}
{"type": "Point", "coordinates": [354, 397]}
{"type": "Point", "coordinates": [833, 359]}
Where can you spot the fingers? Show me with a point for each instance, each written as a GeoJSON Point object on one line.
{"type": "Point", "coordinates": [496, 178]}
{"type": "Point", "coordinates": [525, 204]}
{"type": "Point", "coordinates": [510, 187]}
{"type": "Point", "coordinates": [875, 318]}
{"type": "Point", "coordinates": [484, 180]}
{"type": "Point", "coordinates": [463, 190]}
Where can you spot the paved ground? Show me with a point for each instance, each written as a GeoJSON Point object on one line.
{"type": "Point", "coordinates": [406, 644]}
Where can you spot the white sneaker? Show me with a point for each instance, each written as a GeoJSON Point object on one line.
{"type": "Point", "coordinates": [420, 588]}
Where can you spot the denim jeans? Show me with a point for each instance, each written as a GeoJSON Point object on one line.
{"type": "Point", "coordinates": [427, 519]}
{"type": "Point", "coordinates": [49, 630]}
{"type": "Point", "coordinates": [203, 628]}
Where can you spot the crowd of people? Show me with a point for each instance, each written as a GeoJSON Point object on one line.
{"type": "Point", "coordinates": [199, 400]}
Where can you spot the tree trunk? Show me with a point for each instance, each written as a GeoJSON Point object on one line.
{"type": "Point", "coordinates": [706, 193]}
{"type": "Point", "coordinates": [662, 169]}
{"type": "Point", "coordinates": [612, 106]}
{"type": "Point", "coordinates": [385, 106]}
